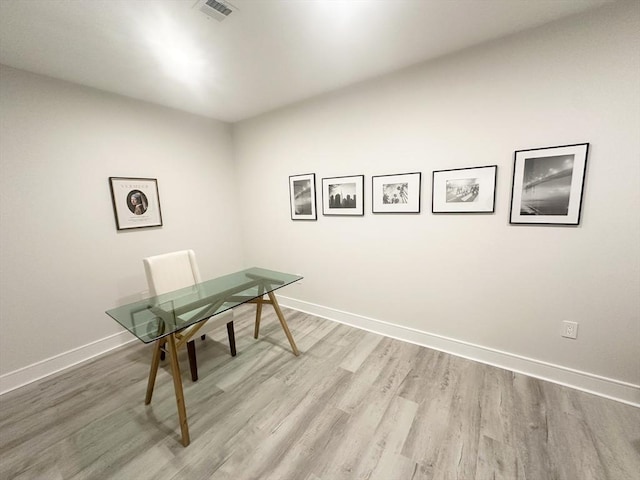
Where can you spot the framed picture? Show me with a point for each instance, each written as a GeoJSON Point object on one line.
{"type": "Point", "coordinates": [136, 202]}
{"type": "Point", "coordinates": [464, 190]}
{"type": "Point", "coordinates": [302, 194]}
{"type": "Point", "coordinates": [343, 195]}
{"type": "Point", "coordinates": [399, 193]}
{"type": "Point", "coordinates": [548, 185]}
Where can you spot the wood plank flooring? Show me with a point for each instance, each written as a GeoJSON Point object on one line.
{"type": "Point", "coordinates": [354, 405]}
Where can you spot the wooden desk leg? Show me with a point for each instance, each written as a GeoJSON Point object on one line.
{"type": "Point", "coordinates": [256, 330]}
{"type": "Point", "coordinates": [283, 322]}
{"type": "Point", "coordinates": [177, 385]}
{"type": "Point", "coordinates": [155, 362]}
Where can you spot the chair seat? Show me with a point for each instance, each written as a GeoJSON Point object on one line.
{"type": "Point", "coordinates": [213, 323]}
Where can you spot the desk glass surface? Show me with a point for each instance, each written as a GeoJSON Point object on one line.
{"type": "Point", "coordinates": [165, 314]}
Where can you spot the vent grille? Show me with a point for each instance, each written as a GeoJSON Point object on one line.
{"type": "Point", "coordinates": [219, 10]}
{"type": "Point", "coordinates": [220, 7]}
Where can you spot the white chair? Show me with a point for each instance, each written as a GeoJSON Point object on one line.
{"type": "Point", "coordinates": [172, 271]}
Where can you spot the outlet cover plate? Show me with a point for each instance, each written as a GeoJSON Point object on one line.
{"type": "Point", "coordinates": [570, 329]}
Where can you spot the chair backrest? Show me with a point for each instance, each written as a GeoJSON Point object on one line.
{"type": "Point", "coordinates": [171, 271]}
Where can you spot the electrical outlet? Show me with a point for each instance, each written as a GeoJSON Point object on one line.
{"type": "Point", "coordinates": [570, 329]}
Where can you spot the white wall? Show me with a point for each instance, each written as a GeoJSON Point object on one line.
{"type": "Point", "coordinates": [63, 262]}
{"type": "Point", "coordinates": [471, 278]}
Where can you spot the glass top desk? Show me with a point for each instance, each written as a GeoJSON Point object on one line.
{"type": "Point", "coordinates": [173, 318]}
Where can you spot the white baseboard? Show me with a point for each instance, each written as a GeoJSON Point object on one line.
{"type": "Point", "coordinates": [605, 387]}
{"type": "Point", "coordinates": [44, 368]}
{"type": "Point", "coordinates": [602, 386]}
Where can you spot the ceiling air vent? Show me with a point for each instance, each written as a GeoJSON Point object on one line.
{"type": "Point", "coordinates": [214, 9]}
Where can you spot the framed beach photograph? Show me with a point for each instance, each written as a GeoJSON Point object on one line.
{"type": "Point", "coordinates": [136, 202]}
{"type": "Point", "coordinates": [464, 190]}
{"type": "Point", "coordinates": [302, 195]}
{"type": "Point", "coordinates": [343, 195]}
{"type": "Point", "coordinates": [548, 184]}
{"type": "Point", "coordinates": [398, 193]}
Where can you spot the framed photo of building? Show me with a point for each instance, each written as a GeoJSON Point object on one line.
{"type": "Point", "coordinates": [343, 195]}
{"type": "Point", "coordinates": [302, 196]}
{"type": "Point", "coordinates": [548, 184]}
{"type": "Point", "coordinates": [398, 193]}
{"type": "Point", "coordinates": [136, 202]}
{"type": "Point", "coordinates": [464, 190]}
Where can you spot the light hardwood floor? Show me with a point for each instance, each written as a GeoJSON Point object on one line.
{"type": "Point", "coordinates": [354, 405]}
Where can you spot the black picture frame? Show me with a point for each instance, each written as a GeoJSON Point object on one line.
{"type": "Point", "coordinates": [396, 193]}
{"type": "Point", "coordinates": [343, 196]}
{"type": "Point", "coordinates": [302, 196]}
{"type": "Point", "coordinates": [464, 190]}
{"type": "Point", "coordinates": [136, 202]}
{"type": "Point", "coordinates": [548, 185]}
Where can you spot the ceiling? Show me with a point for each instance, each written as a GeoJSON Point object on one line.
{"type": "Point", "coordinates": [266, 54]}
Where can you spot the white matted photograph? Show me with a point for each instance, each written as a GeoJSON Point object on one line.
{"type": "Point", "coordinates": [302, 196]}
{"type": "Point", "coordinates": [398, 193]}
{"type": "Point", "coordinates": [343, 195]}
{"type": "Point", "coordinates": [548, 184]}
{"type": "Point", "coordinates": [464, 190]}
{"type": "Point", "coordinates": [136, 202]}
